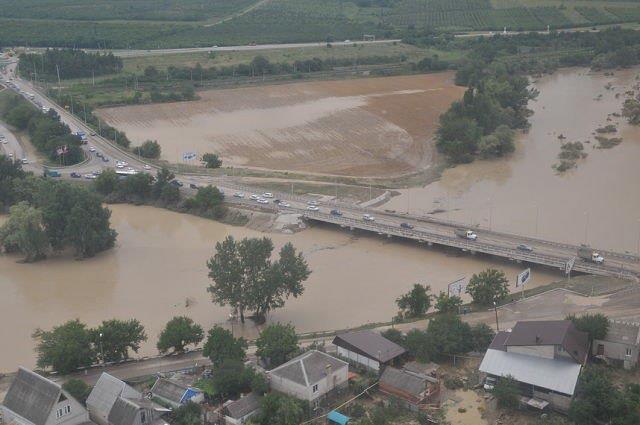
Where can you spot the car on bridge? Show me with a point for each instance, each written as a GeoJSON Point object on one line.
{"type": "Point", "coordinates": [368, 217]}
{"type": "Point", "coordinates": [336, 212]}
{"type": "Point", "coordinates": [406, 226]}
{"type": "Point", "coordinates": [525, 248]}
{"type": "Point", "coordinates": [313, 208]}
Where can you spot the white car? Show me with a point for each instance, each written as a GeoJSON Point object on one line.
{"type": "Point", "coordinates": [489, 383]}
{"type": "Point", "coordinates": [368, 217]}
{"type": "Point", "coordinates": [267, 195]}
{"type": "Point", "coordinates": [313, 208]}
{"type": "Point", "coordinates": [147, 167]}
{"type": "Point", "coordinates": [254, 197]}
{"type": "Point", "coordinates": [312, 203]}
{"type": "Point", "coordinates": [25, 161]}
{"type": "Point", "coordinates": [119, 166]}
{"type": "Point", "coordinates": [238, 195]}
{"type": "Point", "coordinates": [90, 176]}
{"type": "Point", "coordinates": [285, 204]}
{"type": "Point", "coordinates": [262, 201]}
{"type": "Point", "coordinates": [92, 149]}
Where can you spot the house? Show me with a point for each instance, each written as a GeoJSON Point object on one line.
{"type": "Point", "coordinates": [112, 402]}
{"type": "Point", "coordinates": [545, 357]}
{"type": "Point", "coordinates": [621, 345]}
{"type": "Point", "coordinates": [174, 393]}
{"type": "Point", "coordinates": [237, 412]}
{"type": "Point", "coordinates": [312, 376]}
{"type": "Point", "coordinates": [367, 348]}
{"type": "Point", "coordinates": [35, 400]}
{"type": "Point", "coordinates": [415, 391]}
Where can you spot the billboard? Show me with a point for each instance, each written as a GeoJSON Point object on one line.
{"type": "Point", "coordinates": [458, 287]}
{"type": "Point", "coordinates": [523, 278]}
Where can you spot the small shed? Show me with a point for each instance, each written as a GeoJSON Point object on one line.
{"type": "Point", "coordinates": [337, 418]}
{"type": "Point", "coordinates": [368, 348]}
{"type": "Point", "coordinates": [237, 412]}
{"type": "Point", "coordinates": [174, 393]}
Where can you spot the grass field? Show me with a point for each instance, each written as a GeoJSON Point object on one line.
{"type": "Point", "coordinates": [183, 23]}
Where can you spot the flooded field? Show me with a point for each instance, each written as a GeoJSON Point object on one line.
{"type": "Point", "coordinates": [597, 203]}
{"type": "Point", "coordinates": [363, 127]}
{"type": "Point", "coordinates": [159, 264]}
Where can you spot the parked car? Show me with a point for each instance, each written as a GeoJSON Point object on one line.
{"type": "Point", "coordinates": [406, 226]}
{"type": "Point", "coordinates": [147, 167]}
{"type": "Point", "coordinates": [92, 149]}
{"type": "Point", "coordinates": [312, 203]}
{"type": "Point", "coordinates": [105, 159]}
{"type": "Point", "coordinates": [285, 204]}
{"type": "Point", "coordinates": [262, 201]}
{"type": "Point", "coordinates": [313, 208]}
{"type": "Point", "coordinates": [90, 176]}
{"type": "Point", "coordinates": [254, 197]}
{"type": "Point", "coordinates": [193, 186]}
{"type": "Point", "coordinates": [368, 217]}
{"type": "Point", "coordinates": [177, 183]}
{"type": "Point", "coordinates": [525, 248]}
{"type": "Point", "coordinates": [267, 195]}
{"type": "Point", "coordinates": [336, 212]}
{"type": "Point", "coordinates": [238, 195]}
{"type": "Point", "coordinates": [75, 175]}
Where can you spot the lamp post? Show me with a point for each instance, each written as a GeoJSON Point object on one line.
{"type": "Point", "coordinates": [101, 350]}
{"type": "Point", "coordinates": [495, 309]}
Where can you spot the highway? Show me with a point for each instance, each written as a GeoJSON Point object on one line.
{"type": "Point", "coordinates": [422, 229]}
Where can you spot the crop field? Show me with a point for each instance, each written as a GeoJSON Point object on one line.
{"type": "Point", "coordinates": [364, 127]}
{"type": "Point", "coordinates": [174, 23]}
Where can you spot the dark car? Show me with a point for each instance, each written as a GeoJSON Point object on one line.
{"type": "Point", "coordinates": [105, 159]}
{"type": "Point", "coordinates": [177, 183]}
{"type": "Point", "coordinates": [99, 154]}
{"type": "Point", "coordinates": [75, 175]}
{"type": "Point", "coordinates": [406, 225]}
{"type": "Point", "coordinates": [336, 212]}
{"type": "Point", "coordinates": [525, 248]}
{"type": "Point", "coordinates": [193, 186]}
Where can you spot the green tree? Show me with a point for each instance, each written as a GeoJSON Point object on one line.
{"type": "Point", "coordinates": [229, 378]}
{"type": "Point", "coordinates": [10, 173]}
{"type": "Point", "coordinates": [482, 336]}
{"type": "Point", "coordinates": [458, 137]}
{"type": "Point", "coordinates": [497, 144]}
{"type": "Point", "coordinates": [594, 324]}
{"type": "Point", "coordinates": [447, 304]}
{"type": "Point", "coordinates": [187, 414]}
{"type": "Point", "coordinates": [212, 160]}
{"type": "Point", "coordinates": [277, 344]}
{"type": "Point", "coordinates": [506, 392]}
{"type": "Point", "coordinates": [78, 389]}
{"type": "Point", "coordinates": [448, 334]}
{"type": "Point", "coordinates": [24, 231]}
{"type": "Point", "coordinates": [280, 409]}
{"type": "Point", "coordinates": [65, 348]}
{"type": "Point", "coordinates": [244, 276]}
{"type": "Point", "coordinates": [178, 333]}
{"type": "Point", "coordinates": [107, 182]}
{"type": "Point", "coordinates": [115, 338]}
{"type": "Point", "coordinates": [418, 344]}
{"type": "Point", "coordinates": [488, 286]}
{"type": "Point", "coordinates": [163, 177]}
{"type": "Point", "coordinates": [631, 111]}
{"type": "Point", "coordinates": [88, 229]}
{"type": "Point", "coordinates": [596, 397]}
{"type": "Point", "coordinates": [208, 201]}
{"type": "Point", "coordinates": [221, 346]}
{"type": "Point", "coordinates": [148, 149]}
{"type": "Point", "coordinates": [416, 302]}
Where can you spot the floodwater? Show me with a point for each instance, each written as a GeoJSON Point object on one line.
{"type": "Point", "coordinates": [597, 203]}
{"type": "Point", "coordinates": [370, 126]}
{"type": "Point", "coordinates": [159, 264]}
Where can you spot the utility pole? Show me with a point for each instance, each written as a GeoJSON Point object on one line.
{"type": "Point", "coordinates": [59, 85]}
{"type": "Point", "coordinates": [495, 309]}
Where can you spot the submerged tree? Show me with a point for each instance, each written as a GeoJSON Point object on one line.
{"type": "Point", "coordinates": [178, 333]}
{"type": "Point", "coordinates": [24, 232]}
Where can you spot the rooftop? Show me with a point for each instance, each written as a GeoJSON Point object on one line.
{"type": "Point", "coordinates": [169, 390]}
{"type": "Point", "coordinates": [623, 332]}
{"type": "Point", "coordinates": [370, 344]}
{"type": "Point", "coordinates": [550, 332]}
{"type": "Point", "coordinates": [554, 374]}
{"type": "Point", "coordinates": [308, 368]}
{"type": "Point", "coordinates": [405, 381]}
{"type": "Point", "coordinates": [243, 406]}
{"type": "Point", "coordinates": [32, 396]}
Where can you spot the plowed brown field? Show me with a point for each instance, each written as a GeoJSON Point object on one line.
{"type": "Point", "coordinates": [364, 127]}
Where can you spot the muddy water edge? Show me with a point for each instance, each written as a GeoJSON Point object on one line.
{"type": "Point", "coordinates": [159, 266]}
{"type": "Point", "coordinates": [596, 203]}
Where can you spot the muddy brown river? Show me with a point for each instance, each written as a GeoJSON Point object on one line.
{"type": "Point", "coordinates": [159, 263]}
{"type": "Point", "coordinates": [597, 203]}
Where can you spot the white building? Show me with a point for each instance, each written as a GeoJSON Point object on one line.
{"type": "Point", "coordinates": [310, 376]}
{"type": "Point", "coordinates": [35, 400]}
{"type": "Point", "coordinates": [368, 348]}
{"type": "Point", "coordinates": [621, 346]}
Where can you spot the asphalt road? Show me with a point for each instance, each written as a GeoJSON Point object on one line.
{"type": "Point", "coordinates": [299, 204]}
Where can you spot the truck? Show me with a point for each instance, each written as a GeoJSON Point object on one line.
{"type": "Point", "coordinates": [466, 234]}
{"type": "Point", "coordinates": [587, 253]}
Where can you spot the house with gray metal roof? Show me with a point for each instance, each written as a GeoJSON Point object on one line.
{"type": "Point", "coordinates": [174, 393]}
{"type": "Point", "coordinates": [416, 391]}
{"type": "Point", "coordinates": [545, 357]}
{"type": "Point", "coordinates": [35, 400]}
{"type": "Point", "coordinates": [368, 348]}
{"type": "Point", "coordinates": [113, 402]}
{"type": "Point", "coordinates": [311, 376]}
{"type": "Point", "coordinates": [621, 345]}
{"type": "Point", "coordinates": [237, 412]}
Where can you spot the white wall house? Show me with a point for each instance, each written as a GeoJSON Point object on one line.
{"type": "Point", "coordinates": [310, 376]}
{"type": "Point", "coordinates": [34, 400]}
{"type": "Point", "coordinates": [367, 348]}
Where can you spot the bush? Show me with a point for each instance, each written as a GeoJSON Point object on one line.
{"type": "Point", "coordinates": [149, 149]}
{"type": "Point", "coordinates": [506, 392]}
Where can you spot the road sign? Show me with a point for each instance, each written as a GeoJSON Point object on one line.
{"type": "Point", "coordinates": [523, 278]}
{"type": "Point", "coordinates": [457, 287]}
{"type": "Point", "coordinates": [569, 265]}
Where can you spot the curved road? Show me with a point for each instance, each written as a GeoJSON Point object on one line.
{"type": "Point", "coordinates": [424, 229]}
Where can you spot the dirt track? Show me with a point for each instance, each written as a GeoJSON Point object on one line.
{"type": "Point", "coordinates": [364, 127]}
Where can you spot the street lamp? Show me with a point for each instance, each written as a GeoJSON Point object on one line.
{"type": "Point", "coordinates": [101, 350]}
{"type": "Point", "coordinates": [495, 309]}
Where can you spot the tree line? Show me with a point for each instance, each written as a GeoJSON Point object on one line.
{"type": "Point", "coordinates": [47, 215]}
{"type": "Point", "coordinates": [67, 63]}
{"type": "Point", "coordinates": [46, 132]}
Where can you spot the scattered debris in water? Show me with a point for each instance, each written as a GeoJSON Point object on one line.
{"type": "Point", "coordinates": [607, 143]}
